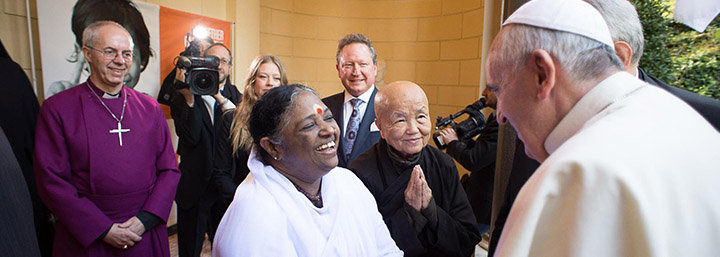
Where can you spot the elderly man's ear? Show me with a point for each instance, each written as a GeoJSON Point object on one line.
{"type": "Point", "coordinates": [625, 52]}
{"type": "Point", "coordinates": [544, 68]}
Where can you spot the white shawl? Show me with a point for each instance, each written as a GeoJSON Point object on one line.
{"type": "Point", "coordinates": [269, 217]}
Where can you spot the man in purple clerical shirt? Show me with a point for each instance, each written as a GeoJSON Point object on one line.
{"type": "Point", "coordinates": [104, 160]}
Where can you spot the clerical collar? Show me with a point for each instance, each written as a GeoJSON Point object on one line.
{"type": "Point", "coordinates": [105, 95]}
{"type": "Point", "coordinates": [398, 161]}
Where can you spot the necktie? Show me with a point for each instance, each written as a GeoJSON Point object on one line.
{"type": "Point", "coordinates": [352, 127]}
{"type": "Point", "coordinates": [217, 112]}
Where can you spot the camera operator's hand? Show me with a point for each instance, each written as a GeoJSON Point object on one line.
{"type": "Point", "coordinates": [189, 97]}
{"type": "Point", "coordinates": [448, 135]}
{"type": "Point", "coordinates": [180, 78]}
{"type": "Point", "coordinates": [180, 74]}
{"type": "Point", "coordinates": [219, 97]}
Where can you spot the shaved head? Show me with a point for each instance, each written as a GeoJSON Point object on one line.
{"type": "Point", "coordinates": [402, 115]}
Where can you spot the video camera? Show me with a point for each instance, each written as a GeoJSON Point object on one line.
{"type": "Point", "coordinates": [466, 129]}
{"type": "Point", "coordinates": [201, 74]}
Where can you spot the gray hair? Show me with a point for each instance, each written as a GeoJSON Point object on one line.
{"type": "Point", "coordinates": [624, 24]}
{"type": "Point", "coordinates": [355, 38]}
{"type": "Point", "coordinates": [583, 58]}
{"type": "Point", "coordinates": [90, 33]}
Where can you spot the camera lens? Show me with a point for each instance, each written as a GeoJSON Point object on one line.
{"type": "Point", "coordinates": [204, 81]}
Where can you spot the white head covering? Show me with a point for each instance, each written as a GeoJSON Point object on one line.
{"type": "Point", "coordinates": [573, 16]}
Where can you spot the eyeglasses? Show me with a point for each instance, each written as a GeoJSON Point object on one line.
{"type": "Point", "coordinates": [112, 53]}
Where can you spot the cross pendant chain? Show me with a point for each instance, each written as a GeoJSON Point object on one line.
{"type": "Point", "coordinates": [119, 131]}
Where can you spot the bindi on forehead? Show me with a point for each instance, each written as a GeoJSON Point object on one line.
{"type": "Point", "coordinates": [318, 109]}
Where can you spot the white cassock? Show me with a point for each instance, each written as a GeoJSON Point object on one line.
{"type": "Point", "coordinates": [633, 171]}
{"type": "Point", "coordinates": [270, 217]}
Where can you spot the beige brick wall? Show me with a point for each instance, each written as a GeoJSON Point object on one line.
{"type": "Point", "coordinates": [435, 43]}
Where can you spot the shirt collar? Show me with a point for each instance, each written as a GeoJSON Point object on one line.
{"type": "Point", "coordinates": [605, 93]}
{"type": "Point", "coordinates": [365, 96]}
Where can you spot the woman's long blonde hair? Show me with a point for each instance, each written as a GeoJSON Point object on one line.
{"type": "Point", "coordinates": [240, 137]}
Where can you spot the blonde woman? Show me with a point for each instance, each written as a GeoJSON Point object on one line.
{"type": "Point", "coordinates": [233, 140]}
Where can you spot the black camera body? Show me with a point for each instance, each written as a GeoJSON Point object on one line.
{"type": "Point", "coordinates": [201, 74]}
{"type": "Point", "coordinates": [466, 129]}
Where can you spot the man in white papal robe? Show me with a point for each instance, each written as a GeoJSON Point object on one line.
{"type": "Point", "coordinates": [627, 169]}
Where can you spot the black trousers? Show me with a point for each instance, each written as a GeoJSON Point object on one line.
{"type": "Point", "coordinates": [193, 223]}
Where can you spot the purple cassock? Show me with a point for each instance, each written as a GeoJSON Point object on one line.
{"type": "Point", "coordinates": [90, 182]}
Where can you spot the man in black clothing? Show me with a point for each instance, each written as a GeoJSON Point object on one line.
{"type": "Point", "coordinates": [17, 237]}
{"type": "Point", "coordinates": [199, 210]}
{"type": "Point", "coordinates": [18, 115]}
{"type": "Point", "coordinates": [479, 158]}
{"type": "Point", "coordinates": [416, 186]}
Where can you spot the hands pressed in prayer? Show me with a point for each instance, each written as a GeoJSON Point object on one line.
{"type": "Point", "coordinates": [448, 135]}
{"type": "Point", "coordinates": [119, 237]}
{"type": "Point", "coordinates": [134, 225]}
{"type": "Point", "coordinates": [418, 193]}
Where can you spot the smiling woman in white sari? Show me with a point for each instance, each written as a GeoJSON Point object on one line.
{"type": "Point", "coordinates": [295, 201]}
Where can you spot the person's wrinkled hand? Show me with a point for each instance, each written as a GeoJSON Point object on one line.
{"type": "Point", "coordinates": [134, 225]}
{"type": "Point", "coordinates": [120, 237]}
{"type": "Point", "coordinates": [426, 191]}
{"type": "Point", "coordinates": [418, 193]}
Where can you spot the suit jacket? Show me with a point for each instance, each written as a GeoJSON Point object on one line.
{"type": "Point", "coordinates": [195, 145]}
{"type": "Point", "coordinates": [18, 234]}
{"type": "Point", "coordinates": [707, 107]}
{"type": "Point", "coordinates": [365, 138]}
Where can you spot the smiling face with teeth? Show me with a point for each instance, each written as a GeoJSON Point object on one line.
{"type": "Point", "coordinates": [310, 139]}
{"type": "Point", "coordinates": [356, 68]}
{"type": "Point", "coordinates": [109, 74]}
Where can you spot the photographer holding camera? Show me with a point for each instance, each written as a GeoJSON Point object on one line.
{"type": "Point", "coordinates": [199, 210]}
{"type": "Point", "coordinates": [479, 158]}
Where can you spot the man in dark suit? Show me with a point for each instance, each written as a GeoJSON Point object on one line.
{"type": "Point", "coordinates": [20, 201]}
{"type": "Point", "coordinates": [627, 33]}
{"type": "Point", "coordinates": [194, 115]}
{"type": "Point", "coordinates": [18, 234]}
{"type": "Point", "coordinates": [18, 117]}
{"type": "Point", "coordinates": [354, 108]}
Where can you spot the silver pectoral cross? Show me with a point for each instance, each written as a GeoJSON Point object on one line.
{"type": "Point", "coordinates": [119, 131]}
